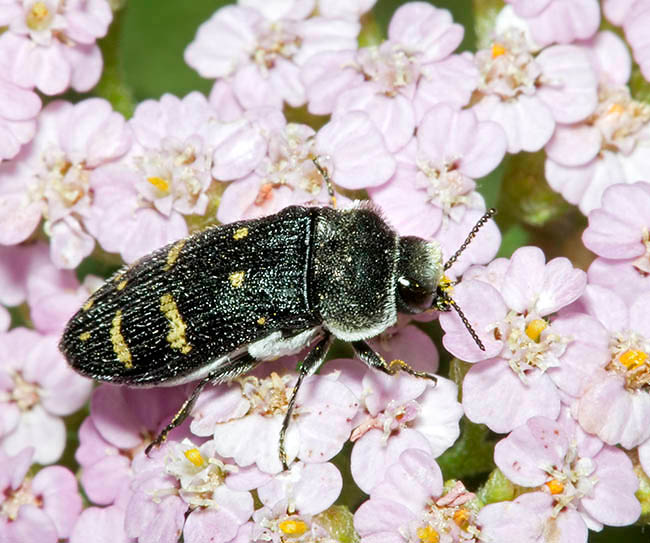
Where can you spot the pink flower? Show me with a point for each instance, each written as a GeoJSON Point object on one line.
{"type": "Point", "coordinates": [559, 21]}
{"type": "Point", "coordinates": [50, 177]}
{"type": "Point", "coordinates": [585, 478]}
{"type": "Point", "coordinates": [37, 388]}
{"type": "Point", "coordinates": [609, 147]}
{"type": "Point", "coordinates": [41, 508]}
{"type": "Point", "coordinates": [528, 94]}
{"type": "Point", "coordinates": [619, 228]}
{"type": "Point", "coordinates": [617, 383]}
{"type": "Point", "coordinates": [384, 80]}
{"type": "Point", "coordinates": [287, 175]}
{"type": "Point", "coordinates": [401, 412]}
{"type": "Point", "coordinates": [432, 193]}
{"type": "Point", "coordinates": [410, 505]}
{"type": "Point", "coordinates": [50, 44]}
{"type": "Point", "coordinates": [18, 110]}
{"type": "Point", "coordinates": [180, 147]}
{"type": "Point", "coordinates": [634, 15]}
{"type": "Point", "coordinates": [17, 264]}
{"type": "Point", "coordinates": [523, 346]}
{"type": "Point", "coordinates": [246, 418]}
{"type": "Point", "coordinates": [259, 48]}
{"type": "Point", "coordinates": [290, 501]}
{"type": "Point", "coordinates": [122, 422]}
{"type": "Point", "coordinates": [186, 489]}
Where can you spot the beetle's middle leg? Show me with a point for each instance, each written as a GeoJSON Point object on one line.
{"type": "Point", "coordinates": [375, 360]}
{"type": "Point", "coordinates": [308, 366]}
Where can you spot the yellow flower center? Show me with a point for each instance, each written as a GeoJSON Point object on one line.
{"type": "Point", "coordinates": [428, 535]}
{"type": "Point", "coordinates": [498, 50]}
{"type": "Point", "coordinates": [39, 17]}
{"type": "Point", "coordinates": [194, 456]}
{"type": "Point", "coordinates": [535, 328]}
{"type": "Point", "coordinates": [555, 486]}
{"type": "Point", "coordinates": [159, 183]}
{"type": "Point", "coordinates": [461, 518]}
{"type": "Point", "coordinates": [633, 358]}
{"type": "Point", "coordinates": [293, 526]}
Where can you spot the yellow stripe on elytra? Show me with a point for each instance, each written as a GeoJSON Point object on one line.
{"type": "Point", "coordinates": [177, 326]}
{"type": "Point", "coordinates": [172, 255]}
{"type": "Point", "coordinates": [89, 303]}
{"type": "Point", "coordinates": [240, 233]}
{"type": "Point", "coordinates": [119, 344]}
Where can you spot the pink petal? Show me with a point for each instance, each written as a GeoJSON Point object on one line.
{"type": "Point", "coordinates": [100, 525]}
{"type": "Point", "coordinates": [565, 22]}
{"type": "Point", "coordinates": [86, 63]}
{"type": "Point", "coordinates": [38, 429]}
{"type": "Point", "coordinates": [352, 142]}
{"type": "Point", "coordinates": [380, 521]}
{"type": "Point", "coordinates": [574, 145]}
{"type": "Point", "coordinates": [484, 402]}
{"type": "Point", "coordinates": [572, 95]}
{"type": "Point", "coordinates": [31, 524]}
{"type": "Point", "coordinates": [57, 487]}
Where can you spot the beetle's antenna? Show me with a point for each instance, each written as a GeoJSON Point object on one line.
{"type": "Point", "coordinates": [484, 219]}
{"type": "Point", "coordinates": [467, 324]}
{"type": "Point", "coordinates": [326, 177]}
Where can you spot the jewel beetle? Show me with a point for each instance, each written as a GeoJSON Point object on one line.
{"type": "Point", "coordinates": [211, 307]}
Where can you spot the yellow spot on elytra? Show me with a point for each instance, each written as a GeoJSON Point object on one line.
{"type": "Point", "coordinates": [236, 279]}
{"type": "Point", "coordinates": [159, 183]}
{"type": "Point", "coordinates": [121, 285]}
{"type": "Point", "coordinates": [633, 358]}
{"type": "Point", "coordinates": [498, 50]}
{"type": "Point", "coordinates": [555, 486]}
{"type": "Point", "coordinates": [293, 527]}
{"type": "Point", "coordinates": [84, 336]}
{"type": "Point", "coordinates": [461, 518]}
{"type": "Point", "coordinates": [177, 326]}
{"type": "Point", "coordinates": [120, 347]}
{"type": "Point", "coordinates": [428, 534]}
{"type": "Point", "coordinates": [240, 233]}
{"type": "Point", "coordinates": [39, 17]}
{"type": "Point", "coordinates": [89, 303]}
{"type": "Point", "coordinates": [172, 255]}
{"type": "Point", "coordinates": [261, 321]}
{"type": "Point", "coordinates": [535, 328]}
{"type": "Point", "coordinates": [194, 456]}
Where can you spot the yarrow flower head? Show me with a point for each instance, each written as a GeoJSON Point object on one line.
{"type": "Point", "coordinates": [50, 180]}
{"type": "Point", "coordinates": [51, 45]}
{"type": "Point", "coordinates": [528, 93]}
{"type": "Point", "coordinates": [411, 504]}
{"type": "Point", "coordinates": [37, 388]}
{"type": "Point", "coordinates": [245, 420]}
{"type": "Point", "coordinates": [524, 348]}
{"type": "Point", "coordinates": [580, 482]}
{"type": "Point", "coordinates": [41, 508]}
{"type": "Point", "coordinates": [259, 48]}
{"type": "Point", "coordinates": [292, 501]}
{"type": "Point", "coordinates": [184, 489]}
{"type": "Point", "coordinates": [611, 145]}
{"type": "Point", "coordinates": [389, 81]}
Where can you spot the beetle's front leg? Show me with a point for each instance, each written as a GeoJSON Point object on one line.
{"type": "Point", "coordinates": [375, 360]}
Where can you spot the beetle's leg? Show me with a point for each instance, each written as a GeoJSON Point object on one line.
{"type": "Point", "coordinates": [308, 366]}
{"type": "Point", "coordinates": [375, 360]}
{"type": "Point", "coordinates": [238, 365]}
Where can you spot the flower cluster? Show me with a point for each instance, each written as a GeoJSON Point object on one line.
{"type": "Point", "coordinates": [309, 107]}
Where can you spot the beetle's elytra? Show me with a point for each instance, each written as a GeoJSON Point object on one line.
{"type": "Point", "coordinates": [214, 305]}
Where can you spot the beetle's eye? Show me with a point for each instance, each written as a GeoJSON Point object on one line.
{"type": "Point", "coordinates": [414, 297]}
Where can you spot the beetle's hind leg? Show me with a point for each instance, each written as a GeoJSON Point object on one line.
{"type": "Point", "coordinates": [308, 366]}
{"type": "Point", "coordinates": [374, 360]}
{"type": "Point", "coordinates": [237, 366]}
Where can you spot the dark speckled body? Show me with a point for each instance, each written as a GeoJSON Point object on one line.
{"type": "Point", "coordinates": [213, 294]}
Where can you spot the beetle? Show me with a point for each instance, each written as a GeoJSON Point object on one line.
{"type": "Point", "coordinates": [212, 306]}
